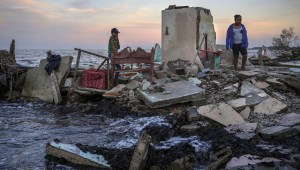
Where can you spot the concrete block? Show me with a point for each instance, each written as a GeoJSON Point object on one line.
{"type": "Point", "coordinates": [39, 84]}
{"type": "Point", "coordinates": [270, 106]}
{"type": "Point", "coordinates": [248, 88]}
{"type": "Point", "coordinates": [179, 92]}
{"type": "Point", "coordinates": [291, 119]}
{"type": "Point", "coordinates": [222, 113]}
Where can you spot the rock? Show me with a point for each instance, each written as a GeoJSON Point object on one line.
{"type": "Point", "coordinates": [270, 106]}
{"type": "Point", "coordinates": [278, 132]}
{"type": "Point", "coordinates": [145, 85]}
{"type": "Point", "coordinates": [245, 131]}
{"type": "Point", "coordinates": [248, 88]}
{"type": "Point", "coordinates": [75, 155]}
{"type": "Point", "coordinates": [245, 113]}
{"type": "Point", "coordinates": [261, 84]}
{"type": "Point", "coordinates": [140, 153]}
{"type": "Point", "coordinates": [294, 161]}
{"type": "Point", "coordinates": [221, 113]}
{"type": "Point", "coordinates": [245, 161]}
{"type": "Point", "coordinates": [180, 92]}
{"type": "Point", "coordinates": [291, 119]}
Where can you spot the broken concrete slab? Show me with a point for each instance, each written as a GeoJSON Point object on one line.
{"type": "Point", "coordinates": [261, 84]}
{"type": "Point", "coordinates": [64, 68]}
{"type": "Point", "coordinates": [140, 154]}
{"type": "Point", "coordinates": [248, 160]}
{"type": "Point", "coordinates": [39, 84]}
{"type": "Point", "coordinates": [245, 113]}
{"type": "Point", "coordinates": [250, 100]}
{"type": "Point", "coordinates": [248, 88]}
{"type": "Point", "coordinates": [278, 132]}
{"type": "Point", "coordinates": [270, 106]}
{"type": "Point", "coordinates": [291, 119]}
{"type": "Point", "coordinates": [245, 131]}
{"type": "Point", "coordinates": [276, 84]}
{"type": "Point", "coordinates": [222, 113]}
{"type": "Point", "coordinates": [75, 155]}
{"type": "Point", "coordinates": [180, 92]}
{"type": "Point", "coordinates": [231, 90]}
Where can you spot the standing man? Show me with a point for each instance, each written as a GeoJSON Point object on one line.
{"type": "Point", "coordinates": [113, 47]}
{"type": "Point", "coordinates": [237, 40]}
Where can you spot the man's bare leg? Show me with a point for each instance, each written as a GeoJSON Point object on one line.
{"type": "Point", "coordinates": [235, 61]}
{"type": "Point", "coordinates": [244, 60]}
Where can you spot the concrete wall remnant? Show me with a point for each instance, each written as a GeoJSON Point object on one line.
{"type": "Point", "coordinates": [183, 32]}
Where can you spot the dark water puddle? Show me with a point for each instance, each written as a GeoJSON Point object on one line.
{"type": "Point", "coordinates": [26, 127]}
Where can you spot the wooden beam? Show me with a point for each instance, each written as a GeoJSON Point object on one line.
{"type": "Point", "coordinates": [91, 53]}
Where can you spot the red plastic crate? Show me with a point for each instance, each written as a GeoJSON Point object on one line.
{"type": "Point", "coordinates": [95, 79]}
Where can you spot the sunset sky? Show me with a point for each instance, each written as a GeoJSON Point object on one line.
{"type": "Point", "coordinates": [65, 24]}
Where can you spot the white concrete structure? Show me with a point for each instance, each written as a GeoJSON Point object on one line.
{"type": "Point", "coordinates": [183, 30]}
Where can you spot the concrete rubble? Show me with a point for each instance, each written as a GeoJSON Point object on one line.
{"type": "Point", "coordinates": [245, 131]}
{"type": "Point", "coordinates": [278, 132]}
{"type": "Point", "coordinates": [179, 92]}
{"type": "Point", "coordinates": [250, 162]}
{"type": "Point", "coordinates": [38, 84]}
{"type": "Point", "coordinates": [248, 89]}
{"type": "Point", "coordinates": [75, 155]}
{"type": "Point", "coordinates": [221, 113]}
{"type": "Point", "coordinates": [291, 119]}
{"type": "Point", "coordinates": [270, 106]}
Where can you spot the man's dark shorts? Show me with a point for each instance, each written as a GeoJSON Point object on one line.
{"type": "Point", "coordinates": [237, 48]}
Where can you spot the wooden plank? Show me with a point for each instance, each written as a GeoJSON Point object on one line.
{"type": "Point", "coordinates": [91, 53]}
{"type": "Point", "coordinates": [77, 63]}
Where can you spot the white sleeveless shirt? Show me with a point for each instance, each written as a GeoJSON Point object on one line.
{"type": "Point", "coordinates": [237, 35]}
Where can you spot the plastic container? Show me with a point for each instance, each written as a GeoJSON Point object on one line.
{"type": "Point", "coordinates": [95, 79]}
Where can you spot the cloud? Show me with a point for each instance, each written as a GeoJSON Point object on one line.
{"type": "Point", "coordinates": [79, 3]}
{"type": "Point", "coordinates": [84, 11]}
